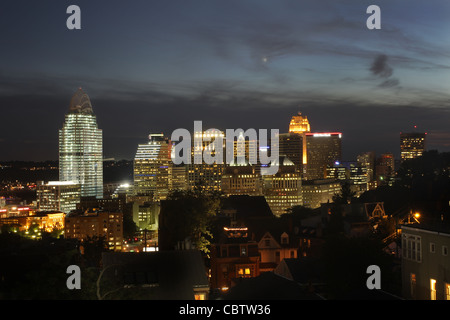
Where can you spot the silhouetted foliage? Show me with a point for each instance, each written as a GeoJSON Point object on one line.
{"type": "Point", "coordinates": [189, 214]}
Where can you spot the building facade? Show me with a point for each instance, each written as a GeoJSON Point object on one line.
{"type": "Point", "coordinates": [412, 145]}
{"type": "Point", "coordinates": [241, 179]}
{"type": "Point", "coordinates": [385, 168]}
{"type": "Point", "coordinates": [81, 147]}
{"type": "Point", "coordinates": [89, 225]}
{"type": "Point", "coordinates": [291, 146]}
{"type": "Point", "coordinates": [152, 167]}
{"type": "Point", "coordinates": [206, 174]}
{"type": "Point", "coordinates": [426, 262]}
{"type": "Point", "coordinates": [58, 196]}
{"type": "Point", "coordinates": [316, 192]}
{"type": "Point", "coordinates": [235, 258]}
{"type": "Point", "coordinates": [320, 149]}
{"type": "Point", "coordinates": [299, 124]}
{"type": "Point", "coordinates": [283, 190]}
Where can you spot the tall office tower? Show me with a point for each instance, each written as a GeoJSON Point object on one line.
{"type": "Point", "coordinates": [367, 160]}
{"type": "Point", "coordinates": [283, 190]}
{"type": "Point", "coordinates": [299, 124]}
{"type": "Point", "coordinates": [151, 167]}
{"type": "Point", "coordinates": [203, 173]}
{"type": "Point", "coordinates": [319, 151]}
{"type": "Point", "coordinates": [412, 145]}
{"type": "Point", "coordinates": [57, 196]}
{"type": "Point", "coordinates": [80, 147]}
{"type": "Point", "coordinates": [291, 146]}
{"type": "Point", "coordinates": [385, 168]}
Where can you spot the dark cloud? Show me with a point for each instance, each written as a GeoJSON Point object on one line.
{"type": "Point", "coordinates": [380, 67]}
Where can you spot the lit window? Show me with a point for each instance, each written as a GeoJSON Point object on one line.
{"type": "Point", "coordinates": [432, 289]}
{"type": "Point", "coordinates": [447, 291]}
{"type": "Point", "coordinates": [200, 296]}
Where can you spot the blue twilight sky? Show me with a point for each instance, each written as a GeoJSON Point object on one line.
{"type": "Point", "coordinates": [154, 66]}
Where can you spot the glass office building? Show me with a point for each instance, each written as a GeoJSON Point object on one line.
{"type": "Point", "coordinates": [412, 145]}
{"type": "Point", "coordinates": [80, 147]}
{"type": "Point", "coordinates": [152, 167]}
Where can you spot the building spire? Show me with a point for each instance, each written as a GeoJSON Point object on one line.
{"type": "Point", "coordinates": [80, 103]}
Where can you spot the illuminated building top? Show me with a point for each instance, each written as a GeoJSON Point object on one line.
{"type": "Point", "coordinates": [299, 124]}
{"type": "Point", "coordinates": [80, 103]}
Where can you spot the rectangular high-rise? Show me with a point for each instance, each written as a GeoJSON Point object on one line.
{"type": "Point", "coordinates": [320, 149]}
{"type": "Point", "coordinates": [152, 167]}
{"type": "Point", "coordinates": [57, 196]}
{"type": "Point", "coordinates": [81, 147]}
{"type": "Point", "coordinates": [412, 145]}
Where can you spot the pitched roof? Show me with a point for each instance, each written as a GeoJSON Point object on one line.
{"type": "Point", "coordinates": [247, 206]}
{"type": "Point", "coordinates": [268, 286]}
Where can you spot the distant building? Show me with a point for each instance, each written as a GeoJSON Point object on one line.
{"type": "Point", "coordinates": [320, 149]}
{"type": "Point", "coordinates": [148, 218]}
{"type": "Point", "coordinates": [316, 192]}
{"type": "Point", "coordinates": [151, 167]}
{"type": "Point", "coordinates": [199, 173]}
{"type": "Point", "coordinates": [385, 168]}
{"type": "Point", "coordinates": [234, 258]}
{"type": "Point", "coordinates": [299, 124]}
{"type": "Point", "coordinates": [58, 196]}
{"type": "Point", "coordinates": [291, 146]}
{"type": "Point", "coordinates": [367, 160]}
{"type": "Point", "coordinates": [241, 179]}
{"type": "Point", "coordinates": [426, 261]}
{"type": "Point", "coordinates": [107, 225]}
{"type": "Point", "coordinates": [412, 145]}
{"type": "Point", "coordinates": [283, 190]}
{"type": "Point", "coordinates": [45, 221]}
{"type": "Point", "coordinates": [274, 249]}
{"type": "Point", "coordinates": [177, 177]}
{"type": "Point", "coordinates": [80, 147]}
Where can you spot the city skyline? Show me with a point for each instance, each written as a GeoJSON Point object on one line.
{"type": "Point", "coordinates": [156, 67]}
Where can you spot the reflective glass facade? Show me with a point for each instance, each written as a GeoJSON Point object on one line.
{"type": "Point", "coordinates": [81, 147]}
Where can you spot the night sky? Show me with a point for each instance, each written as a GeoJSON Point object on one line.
{"type": "Point", "coordinates": [155, 66]}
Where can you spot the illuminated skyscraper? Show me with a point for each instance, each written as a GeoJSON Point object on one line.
{"type": "Point", "coordinates": [412, 145]}
{"type": "Point", "coordinates": [319, 151]}
{"type": "Point", "coordinates": [299, 124]}
{"type": "Point", "coordinates": [151, 167]}
{"type": "Point", "coordinates": [199, 172]}
{"type": "Point", "coordinates": [291, 146]}
{"type": "Point", "coordinates": [80, 147]}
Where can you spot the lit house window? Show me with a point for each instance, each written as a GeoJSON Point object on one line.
{"type": "Point", "coordinates": [447, 291]}
{"type": "Point", "coordinates": [200, 296]}
{"type": "Point", "coordinates": [432, 289]}
{"type": "Point", "coordinates": [413, 284]}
